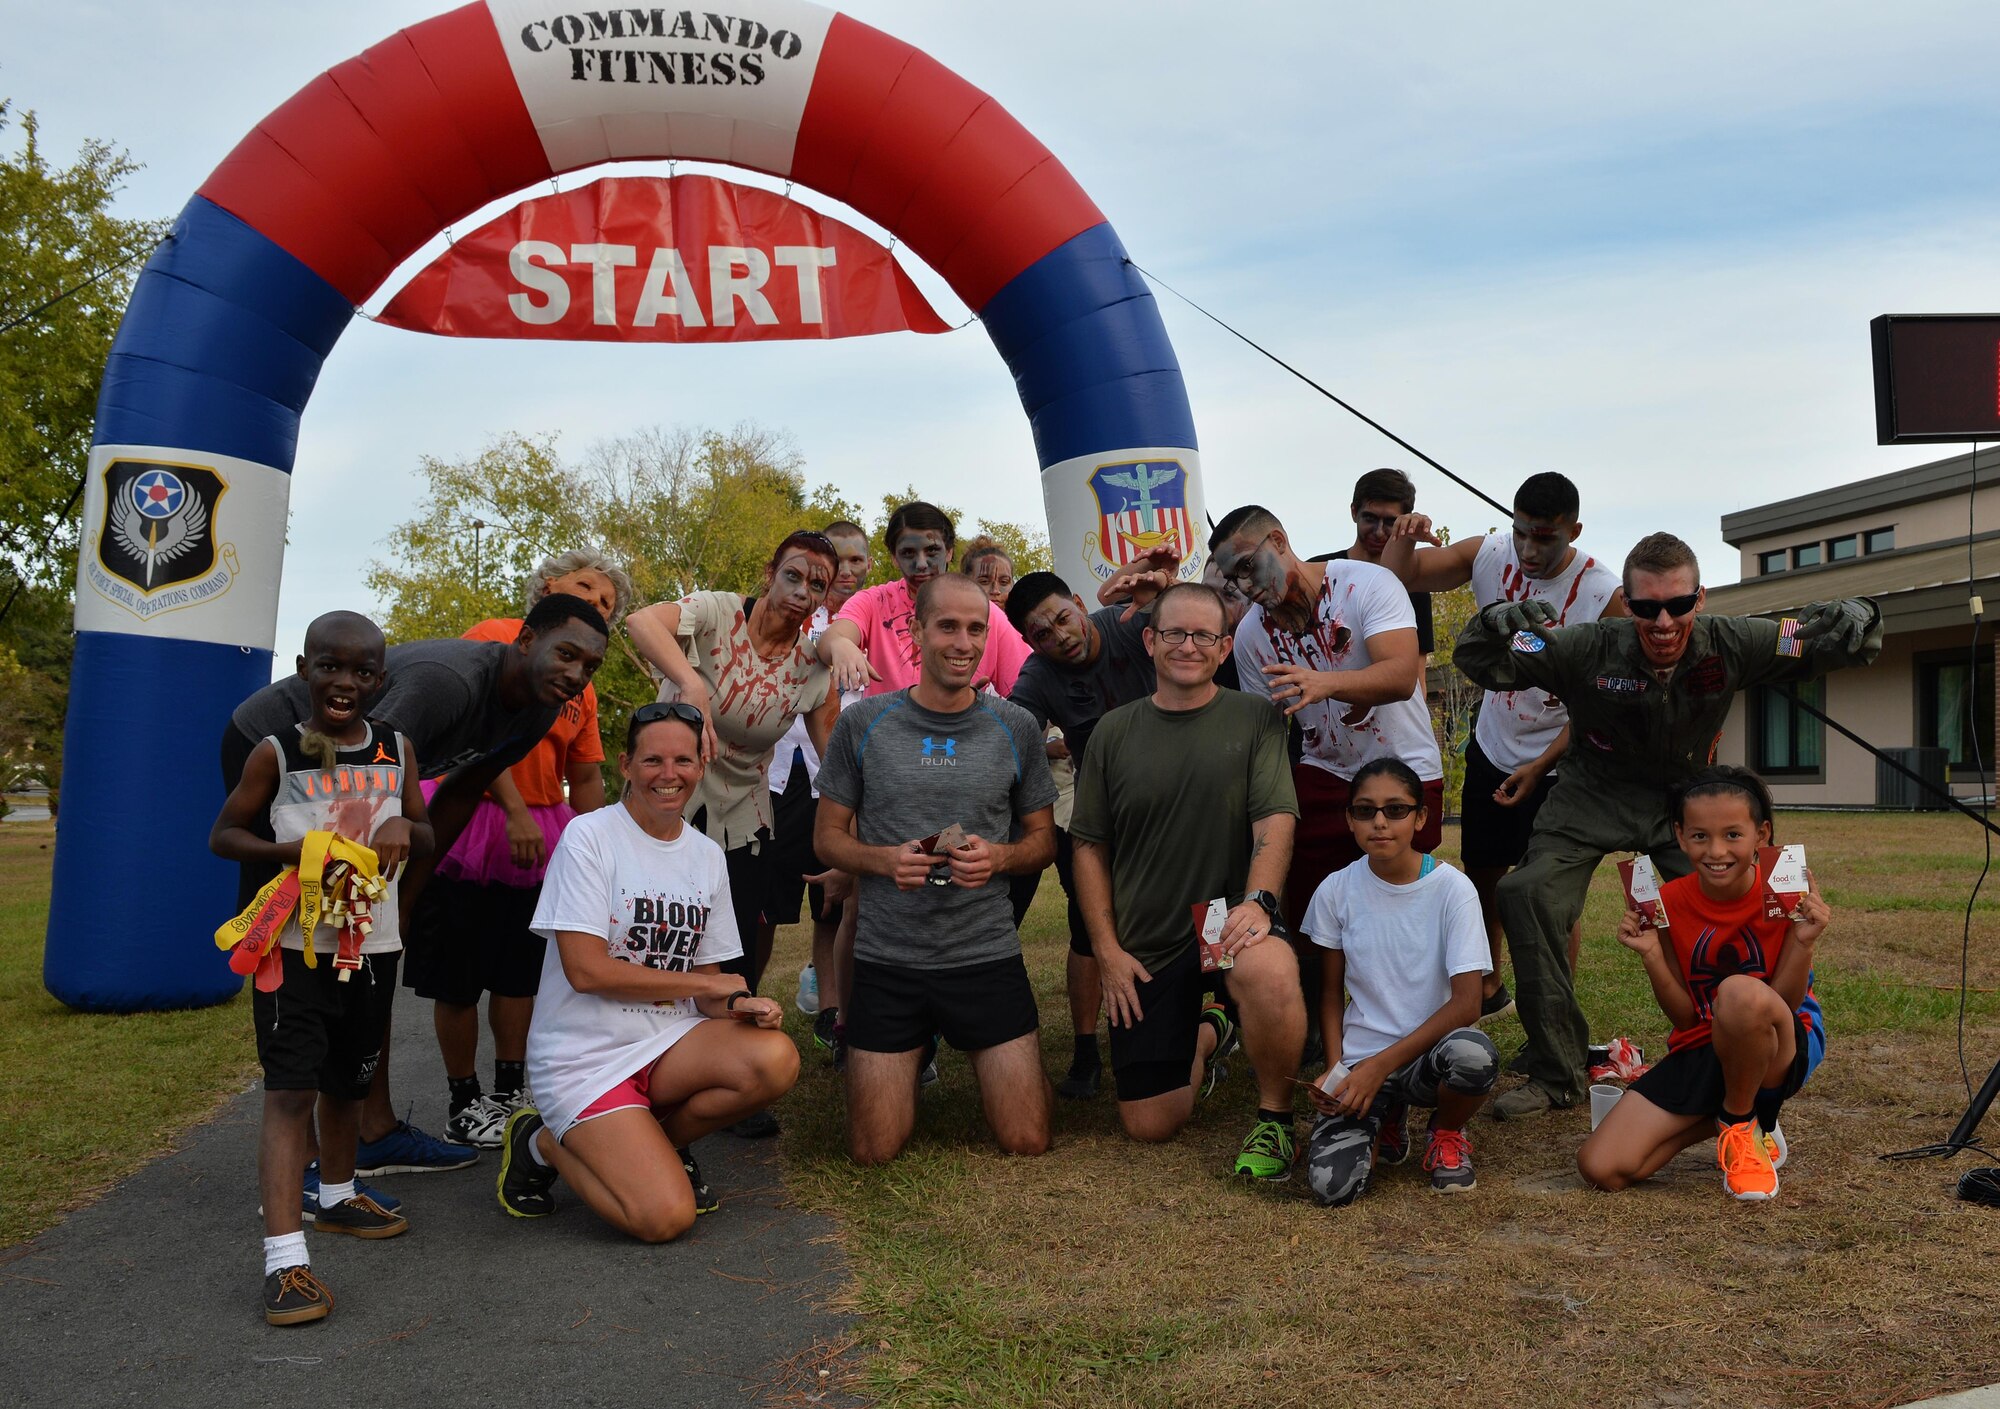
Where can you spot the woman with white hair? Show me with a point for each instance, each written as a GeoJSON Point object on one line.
{"type": "Point", "coordinates": [471, 932]}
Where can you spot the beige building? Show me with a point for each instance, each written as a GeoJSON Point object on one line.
{"type": "Point", "coordinates": [1901, 539]}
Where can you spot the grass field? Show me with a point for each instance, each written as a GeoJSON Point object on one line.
{"type": "Point", "coordinates": [85, 1099]}
{"type": "Point", "coordinates": [1109, 1273]}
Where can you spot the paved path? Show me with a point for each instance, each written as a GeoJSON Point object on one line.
{"type": "Point", "coordinates": [151, 1295]}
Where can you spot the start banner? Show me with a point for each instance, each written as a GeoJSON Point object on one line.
{"type": "Point", "coordinates": [663, 259]}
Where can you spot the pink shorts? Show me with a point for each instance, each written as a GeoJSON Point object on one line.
{"type": "Point", "coordinates": [634, 1090]}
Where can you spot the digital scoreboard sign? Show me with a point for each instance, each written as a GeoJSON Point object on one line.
{"type": "Point", "coordinates": [1937, 377]}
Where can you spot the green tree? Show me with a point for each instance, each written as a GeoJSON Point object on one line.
{"type": "Point", "coordinates": [66, 268]}
{"type": "Point", "coordinates": [681, 509]}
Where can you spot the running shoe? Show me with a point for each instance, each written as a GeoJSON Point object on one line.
{"type": "Point", "coordinates": [1449, 1160]}
{"type": "Point", "coordinates": [361, 1217]}
{"type": "Point", "coordinates": [309, 1205]}
{"type": "Point", "coordinates": [481, 1123]}
{"type": "Point", "coordinates": [1775, 1146]}
{"type": "Point", "coordinates": [1395, 1145]}
{"type": "Point", "coordinates": [1267, 1153]}
{"type": "Point", "coordinates": [524, 1185]}
{"type": "Point", "coordinates": [1745, 1163]}
{"type": "Point", "coordinates": [293, 1296]}
{"type": "Point", "coordinates": [1497, 1002]}
{"type": "Point", "coordinates": [408, 1150]}
{"type": "Point", "coordinates": [826, 1026]}
{"type": "Point", "coordinates": [1216, 1070]}
{"type": "Point", "coordinates": [1081, 1083]}
{"type": "Point", "coordinates": [705, 1200]}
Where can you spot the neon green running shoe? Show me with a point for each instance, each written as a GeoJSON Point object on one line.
{"type": "Point", "coordinates": [1266, 1154]}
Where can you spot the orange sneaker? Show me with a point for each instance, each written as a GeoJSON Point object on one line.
{"type": "Point", "coordinates": [1745, 1163]}
{"type": "Point", "coordinates": [1775, 1146]}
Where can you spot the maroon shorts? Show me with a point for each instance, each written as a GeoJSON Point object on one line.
{"type": "Point", "coordinates": [1323, 843]}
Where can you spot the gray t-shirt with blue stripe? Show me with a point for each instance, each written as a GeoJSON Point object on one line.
{"type": "Point", "coordinates": [907, 773]}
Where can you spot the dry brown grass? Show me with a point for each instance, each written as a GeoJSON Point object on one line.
{"type": "Point", "coordinates": [1107, 1272]}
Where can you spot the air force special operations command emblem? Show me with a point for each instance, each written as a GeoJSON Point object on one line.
{"type": "Point", "coordinates": [156, 542]}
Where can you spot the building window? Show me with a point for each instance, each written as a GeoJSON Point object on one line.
{"type": "Point", "coordinates": [1785, 741]}
{"type": "Point", "coordinates": [1839, 550]}
{"type": "Point", "coordinates": [1768, 563]}
{"type": "Point", "coordinates": [1806, 555]}
{"type": "Point", "coordinates": [1955, 709]}
{"type": "Point", "coordinates": [1879, 540]}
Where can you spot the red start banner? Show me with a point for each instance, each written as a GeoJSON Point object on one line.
{"type": "Point", "coordinates": [663, 259]}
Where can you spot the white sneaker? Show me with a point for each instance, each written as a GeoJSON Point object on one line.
{"type": "Point", "coordinates": [1775, 1146]}
{"type": "Point", "coordinates": [482, 1124]}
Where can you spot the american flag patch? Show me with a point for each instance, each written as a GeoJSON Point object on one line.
{"type": "Point", "coordinates": [1788, 637]}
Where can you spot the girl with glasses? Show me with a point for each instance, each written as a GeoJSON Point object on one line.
{"type": "Point", "coordinates": [1404, 940]}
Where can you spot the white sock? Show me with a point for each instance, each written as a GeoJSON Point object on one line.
{"type": "Point", "coordinates": [331, 1194]}
{"type": "Point", "coordinates": [535, 1152]}
{"type": "Point", "coordinates": [285, 1250]}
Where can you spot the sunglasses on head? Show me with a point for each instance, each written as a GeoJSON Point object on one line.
{"type": "Point", "coordinates": [676, 709]}
{"type": "Point", "coordinates": [1394, 811]}
{"type": "Point", "coordinates": [1648, 608]}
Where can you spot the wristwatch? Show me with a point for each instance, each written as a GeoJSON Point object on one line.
{"type": "Point", "coordinates": [1265, 899]}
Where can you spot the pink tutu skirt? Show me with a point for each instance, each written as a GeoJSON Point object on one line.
{"type": "Point", "coordinates": [481, 854]}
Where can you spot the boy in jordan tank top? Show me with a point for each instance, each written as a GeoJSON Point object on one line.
{"type": "Point", "coordinates": [320, 1023]}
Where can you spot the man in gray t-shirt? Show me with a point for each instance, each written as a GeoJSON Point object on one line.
{"type": "Point", "coordinates": [936, 952]}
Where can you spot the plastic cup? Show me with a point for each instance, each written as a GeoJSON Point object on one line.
{"type": "Point", "coordinates": [1602, 1099]}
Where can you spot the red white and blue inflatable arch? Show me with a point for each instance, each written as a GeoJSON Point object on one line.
{"type": "Point", "coordinates": [197, 426]}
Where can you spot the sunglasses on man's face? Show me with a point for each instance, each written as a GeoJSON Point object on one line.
{"type": "Point", "coordinates": [1649, 608]}
{"type": "Point", "coordinates": [1394, 811]}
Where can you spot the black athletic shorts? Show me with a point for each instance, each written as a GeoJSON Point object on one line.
{"type": "Point", "coordinates": [892, 1008]}
{"type": "Point", "coordinates": [1079, 936]}
{"type": "Point", "coordinates": [792, 857]}
{"type": "Point", "coordinates": [1157, 1055]}
{"type": "Point", "coordinates": [315, 1033]}
{"type": "Point", "coordinates": [467, 939]}
{"type": "Point", "coordinates": [1492, 836]}
{"type": "Point", "coordinates": [1689, 1082]}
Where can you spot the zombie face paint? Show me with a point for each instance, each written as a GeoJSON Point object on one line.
{"type": "Point", "coordinates": [1664, 639]}
{"type": "Point", "coordinates": [853, 570]}
{"type": "Point", "coordinates": [1543, 545]}
{"type": "Point", "coordinates": [1264, 574]}
{"type": "Point", "coordinates": [1059, 630]}
{"type": "Point", "coordinates": [798, 585]}
{"type": "Point", "coordinates": [921, 554]}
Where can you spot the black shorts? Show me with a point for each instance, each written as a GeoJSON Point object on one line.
{"type": "Point", "coordinates": [468, 939]}
{"type": "Point", "coordinates": [891, 1008]}
{"type": "Point", "coordinates": [1491, 836]}
{"type": "Point", "coordinates": [791, 853]}
{"type": "Point", "coordinates": [1689, 1082]}
{"type": "Point", "coordinates": [1079, 936]}
{"type": "Point", "coordinates": [315, 1033]}
{"type": "Point", "coordinates": [1157, 1055]}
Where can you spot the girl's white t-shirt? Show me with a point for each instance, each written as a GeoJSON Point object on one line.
{"type": "Point", "coordinates": [663, 904]}
{"type": "Point", "coordinates": [1404, 945]}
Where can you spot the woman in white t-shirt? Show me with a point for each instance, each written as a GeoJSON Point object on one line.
{"type": "Point", "coordinates": [640, 1044]}
{"type": "Point", "coordinates": [1406, 943]}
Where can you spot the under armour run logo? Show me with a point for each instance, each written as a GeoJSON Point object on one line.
{"type": "Point", "coordinates": [933, 747]}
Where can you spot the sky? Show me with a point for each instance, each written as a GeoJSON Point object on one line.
{"type": "Point", "coordinates": [1639, 245]}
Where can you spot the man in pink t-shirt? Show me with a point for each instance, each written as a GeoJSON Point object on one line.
{"type": "Point", "coordinates": [871, 645]}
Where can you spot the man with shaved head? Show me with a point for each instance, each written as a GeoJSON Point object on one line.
{"type": "Point", "coordinates": [906, 775]}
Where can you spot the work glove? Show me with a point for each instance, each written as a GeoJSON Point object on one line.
{"type": "Point", "coordinates": [1840, 626]}
{"type": "Point", "coordinates": [1533, 616]}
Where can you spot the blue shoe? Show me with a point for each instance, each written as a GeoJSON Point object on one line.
{"type": "Point", "coordinates": [408, 1150]}
{"type": "Point", "coordinates": [388, 1203]}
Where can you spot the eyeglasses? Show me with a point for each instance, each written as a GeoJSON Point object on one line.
{"type": "Point", "coordinates": [675, 709]}
{"type": "Point", "coordinates": [1241, 572]}
{"type": "Point", "coordinates": [1649, 608]}
{"type": "Point", "coordinates": [1175, 636]}
{"type": "Point", "coordinates": [1394, 811]}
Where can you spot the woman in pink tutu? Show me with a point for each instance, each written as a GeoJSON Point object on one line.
{"type": "Point", "coordinates": [470, 933]}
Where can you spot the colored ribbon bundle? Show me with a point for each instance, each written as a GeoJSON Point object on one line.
{"type": "Point", "coordinates": [335, 883]}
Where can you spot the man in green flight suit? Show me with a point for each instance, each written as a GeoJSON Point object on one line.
{"type": "Point", "coordinates": [1647, 695]}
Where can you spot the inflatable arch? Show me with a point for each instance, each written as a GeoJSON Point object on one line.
{"type": "Point", "coordinates": [197, 426]}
